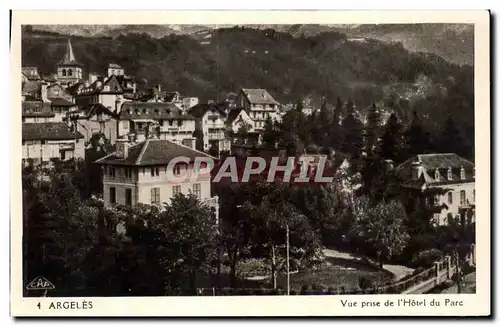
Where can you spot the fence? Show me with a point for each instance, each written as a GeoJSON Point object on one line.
{"type": "Point", "coordinates": [419, 283]}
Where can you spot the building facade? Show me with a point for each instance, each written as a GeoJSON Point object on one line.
{"type": "Point", "coordinates": [211, 126]}
{"type": "Point", "coordinates": [158, 120]}
{"type": "Point", "coordinates": [42, 142]}
{"type": "Point", "coordinates": [259, 105]}
{"type": "Point", "coordinates": [137, 173]}
{"type": "Point", "coordinates": [447, 171]}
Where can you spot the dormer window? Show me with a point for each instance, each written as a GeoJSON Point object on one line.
{"type": "Point", "coordinates": [462, 173]}
{"type": "Point", "coordinates": [436, 175]}
{"type": "Point", "coordinates": [449, 174]}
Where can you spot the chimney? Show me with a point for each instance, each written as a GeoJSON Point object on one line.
{"type": "Point", "coordinates": [389, 164]}
{"type": "Point", "coordinates": [122, 146]}
{"type": "Point", "coordinates": [43, 92]}
{"type": "Point", "coordinates": [92, 78]}
{"type": "Point", "coordinates": [416, 170]}
{"type": "Point", "coordinates": [140, 137]}
{"type": "Point", "coordinates": [159, 88]}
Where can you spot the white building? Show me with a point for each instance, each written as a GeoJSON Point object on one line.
{"type": "Point", "coordinates": [137, 173]}
{"type": "Point", "coordinates": [259, 105]}
{"type": "Point", "coordinates": [159, 120]}
{"type": "Point", "coordinates": [446, 171]}
{"type": "Point", "coordinates": [42, 142]}
{"type": "Point", "coordinates": [211, 126]}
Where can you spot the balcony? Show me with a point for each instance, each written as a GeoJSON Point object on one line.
{"type": "Point", "coordinates": [176, 129]}
{"type": "Point", "coordinates": [67, 147]}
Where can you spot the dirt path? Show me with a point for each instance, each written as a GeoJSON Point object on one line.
{"type": "Point", "coordinates": [398, 271]}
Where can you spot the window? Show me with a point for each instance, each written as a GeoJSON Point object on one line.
{"type": "Point", "coordinates": [197, 190]}
{"type": "Point", "coordinates": [70, 72]}
{"type": "Point", "coordinates": [449, 174]}
{"type": "Point", "coordinates": [155, 196]}
{"type": "Point", "coordinates": [179, 123]}
{"type": "Point", "coordinates": [170, 123]}
{"type": "Point", "coordinates": [112, 172]}
{"type": "Point", "coordinates": [112, 195]}
{"type": "Point", "coordinates": [462, 198]}
{"type": "Point", "coordinates": [64, 72]}
{"type": "Point", "coordinates": [462, 173]}
{"type": "Point", "coordinates": [177, 169]}
{"type": "Point", "coordinates": [436, 175]}
{"type": "Point", "coordinates": [450, 198]}
{"type": "Point", "coordinates": [128, 196]}
{"type": "Point", "coordinates": [155, 172]}
{"type": "Point", "coordinates": [176, 190]}
{"type": "Point", "coordinates": [128, 172]}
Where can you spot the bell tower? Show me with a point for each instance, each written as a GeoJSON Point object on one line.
{"type": "Point", "coordinates": [69, 70]}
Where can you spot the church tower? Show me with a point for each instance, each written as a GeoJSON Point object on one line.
{"type": "Point", "coordinates": [69, 71]}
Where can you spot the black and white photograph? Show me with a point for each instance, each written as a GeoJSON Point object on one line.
{"type": "Point", "coordinates": [209, 160]}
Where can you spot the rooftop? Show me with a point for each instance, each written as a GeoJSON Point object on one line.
{"type": "Point", "coordinates": [49, 131]}
{"type": "Point", "coordinates": [152, 152]}
{"type": "Point", "coordinates": [152, 110]}
{"type": "Point", "coordinates": [258, 96]}
{"type": "Point", "coordinates": [199, 110]}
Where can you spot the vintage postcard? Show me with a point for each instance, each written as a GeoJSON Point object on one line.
{"type": "Point", "coordinates": [250, 163]}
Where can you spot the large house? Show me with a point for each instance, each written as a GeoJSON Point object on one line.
{"type": "Point", "coordinates": [137, 173]}
{"type": "Point", "coordinates": [259, 105]}
{"type": "Point", "coordinates": [96, 119]}
{"type": "Point", "coordinates": [211, 126]}
{"type": "Point", "coordinates": [44, 141]}
{"type": "Point", "coordinates": [447, 171]}
{"type": "Point", "coordinates": [160, 120]}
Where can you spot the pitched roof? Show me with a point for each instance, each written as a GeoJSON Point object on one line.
{"type": "Point", "coordinates": [61, 102]}
{"type": "Point", "coordinates": [258, 96]}
{"type": "Point", "coordinates": [114, 66]}
{"type": "Point", "coordinates": [43, 114]}
{"type": "Point", "coordinates": [437, 165]}
{"type": "Point", "coordinates": [69, 57]}
{"type": "Point", "coordinates": [199, 110]}
{"type": "Point", "coordinates": [152, 110]}
{"type": "Point", "coordinates": [31, 87]}
{"type": "Point", "coordinates": [153, 152]}
{"type": "Point", "coordinates": [233, 114]}
{"type": "Point", "coordinates": [49, 131]}
{"type": "Point", "coordinates": [442, 161]}
{"type": "Point", "coordinates": [96, 108]}
{"type": "Point", "coordinates": [36, 105]}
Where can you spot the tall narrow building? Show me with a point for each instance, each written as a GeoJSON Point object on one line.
{"type": "Point", "coordinates": [69, 70]}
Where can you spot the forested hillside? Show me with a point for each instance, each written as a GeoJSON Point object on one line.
{"type": "Point", "coordinates": [291, 68]}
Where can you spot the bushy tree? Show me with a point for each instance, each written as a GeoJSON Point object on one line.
{"type": "Point", "coordinates": [380, 229]}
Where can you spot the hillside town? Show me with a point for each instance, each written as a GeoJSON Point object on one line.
{"type": "Point", "coordinates": [398, 211]}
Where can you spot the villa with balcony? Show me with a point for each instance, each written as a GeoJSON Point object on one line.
{"type": "Point", "coordinates": [447, 171]}
{"type": "Point", "coordinates": [259, 105]}
{"type": "Point", "coordinates": [139, 172]}
{"type": "Point", "coordinates": [158, 120]}
{"type": "Point", "coordinates": [211, 126]}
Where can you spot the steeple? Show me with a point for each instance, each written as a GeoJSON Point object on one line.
{"type": "Point", "coordinates": [69, 56]}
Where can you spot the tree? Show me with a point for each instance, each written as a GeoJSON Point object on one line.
{"type": "Point", "coordinates": [379, 229]}
{"type": "Point", "coordinates": [390, 146]}
{"type": "Point", "coordinates": [270, 219]}
{"type": "Point", "coordinates": [269, 135]}
{"type": "Point", "coordinates": [451, 140]}
{"type": "Point", "coordinates": [371, 131]}
{"type": "Point", "coordinates": [417, 138]}
{"type": "Point", "coordinates": [352, 142]}
{"type": "Point", "coordinates": [457, 239]}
